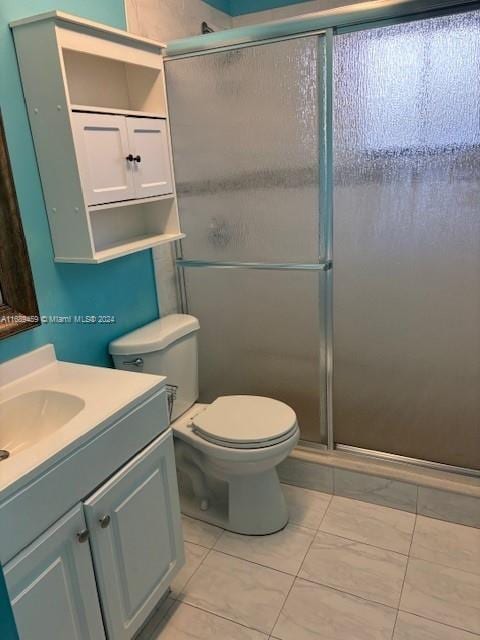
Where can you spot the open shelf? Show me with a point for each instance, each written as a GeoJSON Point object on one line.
{"type": "Point", "coordinates": [120, 230]}
{"type": "Point", "coordinates": [84, 108]}
{"type": "Point", "coordinates": [129, 203]}
{"type": "Point", "coordinates": [124, 248]}
{"type": "Point", "coordinates": [98, 82]}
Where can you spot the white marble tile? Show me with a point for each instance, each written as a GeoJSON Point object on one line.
{"type": "Point", "coordinates": [238, 590]}
{"type": "Point", "coordinates": [308, 475]}
{"type": "Point", "coordinates": [453, 545]}
{"type": "Point", "coordinates": [315, 612]}
{"type": "Point", "coordinates": [184, 622]}
{"type": "Point", "coordinates": [283, 551]}
{"type": "Point", "coordinates": [369, 523]}
{"type": "Point", "coordinates": [382, 491]}
{"type": "Point", "coordinates": [200, 532]}
{"type": "Point", "coordinates": [443, 594]}
{"type": "Point", "coordinates": [365, 571]}
{"type": "Point", "coordinates": [410, 627]}
{"type": "Point", "coordinates": [194, 556]}
{"type": "Point", "coordinates": [452, 507]}
{"type": "Point", "coordinates": [306, 507]}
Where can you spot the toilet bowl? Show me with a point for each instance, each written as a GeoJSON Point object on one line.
{"type": "Point", "coordinates": [227, 451]}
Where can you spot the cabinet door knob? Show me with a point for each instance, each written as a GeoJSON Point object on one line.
{"type": "Point", "coordinates": [130, 158]}
{"type": "Point", "coordinates": [105, 521]}
{"type": "Point", "coordinates": [82, 536]}
{"type": "Point", "coordinates": [138, 158]}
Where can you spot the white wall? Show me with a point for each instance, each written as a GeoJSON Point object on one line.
{"type": "Point", "coordinates": [166, 20]}
{"type": "Point", "coordinates": [290, 11]}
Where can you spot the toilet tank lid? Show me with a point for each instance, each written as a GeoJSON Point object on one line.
{"type": "Point", "coordinates": [155, 336]}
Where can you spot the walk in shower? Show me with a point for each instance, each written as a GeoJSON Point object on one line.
{"type": "Point", "coordinates": [329, 187]}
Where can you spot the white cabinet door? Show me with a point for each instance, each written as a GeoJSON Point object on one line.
{"type": "Point", "coordinates": [102, 147]}
{"type": "Point", "coordinates": [148, 138]}
{"type": "Point", "coordinates": [52, 585]}
{"type": "Point", "coordinates": [134, 521]}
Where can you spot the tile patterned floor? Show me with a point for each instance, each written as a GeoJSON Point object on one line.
{"type": "Point", "coordinates": [341, 570]}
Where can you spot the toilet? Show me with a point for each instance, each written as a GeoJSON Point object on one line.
{"type": "Point", "coordinates": [227, 451]}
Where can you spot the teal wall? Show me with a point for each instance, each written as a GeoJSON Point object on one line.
{"type": "Point", "coordinates": [223, 5]}
{"type": "Point", "coordinates": [239, 7]}
{"type": "Point", "coordinates": [124, 288]}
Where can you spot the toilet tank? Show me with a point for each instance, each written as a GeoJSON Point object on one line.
{"type": "Point", "coordinates": [166, 347]}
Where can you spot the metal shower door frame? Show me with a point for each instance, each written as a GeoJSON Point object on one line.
{"type": "Point", "coordinates": [328, 24]}
{"type": "Point", "coordinates": [324, 264]}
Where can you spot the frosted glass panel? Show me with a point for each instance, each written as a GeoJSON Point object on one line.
{"type": "Point", "coordinates": [407, 239]}
{"type": "Point", "coordinates": [245, 140]}
{"type": "Point", "coordinates": [260, 334]}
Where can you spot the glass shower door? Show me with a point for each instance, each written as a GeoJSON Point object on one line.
{"type": "Point", "coordinates": [245, 126]}
{"type": "Point", "coordinates": [407, 240]}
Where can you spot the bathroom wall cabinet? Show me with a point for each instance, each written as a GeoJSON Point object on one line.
{"type": "Point", "coordinates": [122, 158]}
{"type": "Point", "coordinates": [116, 552]}
{"type": "Point", "coordinates": [98, 110]}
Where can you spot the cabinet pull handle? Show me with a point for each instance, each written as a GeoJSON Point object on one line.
{"type": "Point", "coordinates": [130, 158]}
{"type": "Point", "coordinates": [82, 536]}
{"type": "Point", "coordinates": [138, 158]}
{"type": "Point", "coordinates": [105, 521]}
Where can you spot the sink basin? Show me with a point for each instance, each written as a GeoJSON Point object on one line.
{"type": "Point", "coordinates": [29, 417]}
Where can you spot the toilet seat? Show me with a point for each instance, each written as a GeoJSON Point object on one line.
{"type": "Point", "coordinates": [245, 422]}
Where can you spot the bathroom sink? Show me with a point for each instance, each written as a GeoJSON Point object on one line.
{"type": "Point", "coordinates": [29, 417]}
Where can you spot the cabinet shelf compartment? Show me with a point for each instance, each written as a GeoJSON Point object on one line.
{"type": "Point", "coordinates": [99, 82]}
{"type": "Point", "coordinates": [121, 230]}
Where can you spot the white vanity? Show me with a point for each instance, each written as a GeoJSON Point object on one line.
{"type": "Point", "coordinates": [90, 533]}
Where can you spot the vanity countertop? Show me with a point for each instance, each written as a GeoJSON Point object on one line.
{"type": "Point", "coordinates": [107, 395]}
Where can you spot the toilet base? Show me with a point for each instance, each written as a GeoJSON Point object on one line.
{"type": "Point", "coordinates": [256, 504]}
{"type": "Point", "coordinates": [252, 505]}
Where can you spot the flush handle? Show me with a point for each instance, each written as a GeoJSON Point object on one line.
{"type": "Point", "coordinates": [137, 362]}
{"type": "Point", "coordinates": [105, 521]}
{"type": "Point", "coordinates": [83, 535]}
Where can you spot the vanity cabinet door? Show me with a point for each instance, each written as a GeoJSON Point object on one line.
{"type": "Point", "coordinates": [103, 149]}
{"type": "Point", "coordinates": [134, 522]}
{"type": "Point", "coordinates": [52, 585]}
{"type": "Point", "coordinates": [148, 137]}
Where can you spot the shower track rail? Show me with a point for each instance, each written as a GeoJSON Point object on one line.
{"type": "Point", "coordinates": [325, 265]}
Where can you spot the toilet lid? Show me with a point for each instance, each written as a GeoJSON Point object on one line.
{"type": "Point", "coordinates": [245, 421]}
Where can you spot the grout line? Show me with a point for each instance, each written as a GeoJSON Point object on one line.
{"type": "Point", "coordinates": [404, 577]}
{"type": "Point", "coordinates": [222, 617]}
{"type": "Point", "coordinates": [299, 569]}
{"type": "Point", "coordinates": [257, 564]}
{"type": "Point", "coordinates": [442, 624]}
{"type": "Point", "coordinates": [346, 593]}
{"type": "Point", "coordinates": [190, 578]}
{"type": "Point", "coordinates": [444, 566]}
{"type": "Point", "coordinates": [366, 544]}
